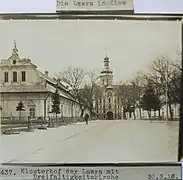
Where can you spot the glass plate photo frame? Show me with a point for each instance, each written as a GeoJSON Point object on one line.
{"type": "Point", "coordinates": [89, 91]}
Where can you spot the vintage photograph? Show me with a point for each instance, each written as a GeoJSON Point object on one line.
{"type": "Point", "coordinates": [88, 91]}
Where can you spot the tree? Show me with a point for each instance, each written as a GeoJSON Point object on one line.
{"type": "Point", "coordinates": [167, 74]}
{"type": "Point", "coordinates": [90, 91]}
{"type": "Point", "coordinates": [55, 103]}
{"type": "Point", "coordinates": [98, 93]}
{"type": "Point", "coordinates": [81, 83]}
{"type": "Point", "coordinates": [130, 93]}
{"type": "Point", "coordinates": [159, 90]}
{"type": "Point", "coordinates": [86, 94]}
{"type": "Point", "coordinates": [123, 92]}
{"type": "Point", "coordinates": [20, 107]}
{"type": "Point", "coordinates": [150, 101]}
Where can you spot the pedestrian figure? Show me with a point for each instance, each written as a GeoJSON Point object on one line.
{"type": "Point", "coordinates": [86, 118]}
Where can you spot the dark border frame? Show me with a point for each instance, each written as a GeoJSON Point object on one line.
{"type": "Point", "coordinates": [90, 16]}
{"type": "Point", "coordinates": [69, 15]}
{"type": "Point", "coordinates": [92, 164]}
{"type": "Point", "coordinates": [180, 145]}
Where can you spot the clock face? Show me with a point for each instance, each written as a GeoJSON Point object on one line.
{"type": "Point", "coordinates": [14, 61]}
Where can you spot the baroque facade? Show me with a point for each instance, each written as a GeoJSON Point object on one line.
{"type": "Point", "coordinates": [107, 103]}
{"type": "Point", "coordinates": [20, 80]}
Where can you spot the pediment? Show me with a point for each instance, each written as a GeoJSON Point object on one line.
{"type": "Point", "coordinates": [15, 60]}
{"type": "Point", "coordinates": [12, 59]}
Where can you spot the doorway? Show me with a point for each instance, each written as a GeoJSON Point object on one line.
{"type": "Point", "coordinates": [109, 115]}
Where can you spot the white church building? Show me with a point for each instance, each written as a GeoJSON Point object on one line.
{"type": "Point", "coordinates": [20, 80]}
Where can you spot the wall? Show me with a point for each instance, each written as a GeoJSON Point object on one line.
{"type": "Point", "coordinates": [9, 101]}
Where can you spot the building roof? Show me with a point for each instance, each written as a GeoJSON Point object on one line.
{"type": "Point", "coordinates": [32, 87]}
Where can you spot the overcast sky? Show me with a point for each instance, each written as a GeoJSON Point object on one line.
{"type": "Point", "coordinates": [54, 45]}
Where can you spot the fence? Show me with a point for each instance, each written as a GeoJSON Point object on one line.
{"type": "Point", "coordinates": [24, 123]}
{"type": "Point", "coordinates": [37, 120]}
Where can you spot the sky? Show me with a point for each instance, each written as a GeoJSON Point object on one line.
{"type": "Point", "coordinates": [55, 45]}
{"type": "Point", "coordinates": [155, 6]}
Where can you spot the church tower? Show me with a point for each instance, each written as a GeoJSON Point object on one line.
{"type": "Point", "coordinates": [106, 76]}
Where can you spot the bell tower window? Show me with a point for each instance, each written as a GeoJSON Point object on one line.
{"type": "Point", "coordinates": [109, 100]}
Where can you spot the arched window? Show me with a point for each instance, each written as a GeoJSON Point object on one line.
{"type": "Point", "coordinates": [109, 100]}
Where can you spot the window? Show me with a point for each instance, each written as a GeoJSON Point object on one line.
{"type": "Point", "coordinates": [23, 76]}
{"type": "Point", "coordinates": [5, 76]}
{"type": "Point", "coordinates": [107, 81]}
{"type": "Point", "coordinates": [109, 100]}
{"type": "Point", "coordinates": [32, 113]}
{"type": "Point", "coordinates": [14, 61]}
{"type": "Point", "coordinates": [109, 94]}
{"type": "Point", "coordinates": [14, 76]}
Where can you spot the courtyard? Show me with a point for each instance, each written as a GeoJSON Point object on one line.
{"type": "Point", "coordinates": [100, 141]}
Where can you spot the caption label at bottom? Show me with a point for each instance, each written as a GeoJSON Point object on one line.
{"type": "Point", "coordinates": [91, 173]}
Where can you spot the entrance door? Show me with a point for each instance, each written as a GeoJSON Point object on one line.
{"type": "Point", "coordinates": [110, 115]}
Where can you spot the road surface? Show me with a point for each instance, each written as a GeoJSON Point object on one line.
{"type": "Point", "coordinates": [100, 141]}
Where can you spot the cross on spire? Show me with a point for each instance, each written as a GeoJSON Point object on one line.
{"type": "Point", "coordinates": [15, 50]}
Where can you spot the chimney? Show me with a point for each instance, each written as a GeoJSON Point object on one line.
{"type": "Point", "coordinates": [46, 73]}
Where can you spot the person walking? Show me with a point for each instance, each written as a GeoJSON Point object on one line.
{"type": "Point", "coordinates": [86, 118]}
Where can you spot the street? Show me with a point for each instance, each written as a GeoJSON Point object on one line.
{"type": "Point", "coordinates": [100, 141]}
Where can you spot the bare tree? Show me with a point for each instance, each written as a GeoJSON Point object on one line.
{"type": "Point", "coordinates": [131, 93]}
{"type": "Point", "coordinates": [75, 78]}
{"type": "Point", "coordinates": [167, 73]}
{"type": "Point", "coordinates": [82, 84]}
{"type": "Point", "coordinates": [89, 90]}
{"type": "Point", "coordinates": [139, 83]}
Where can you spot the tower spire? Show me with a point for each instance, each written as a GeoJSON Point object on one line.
{"type": "Point", "coordinates": [106, 73]}
{"type": "Point", "coordinates": [15, 50]}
